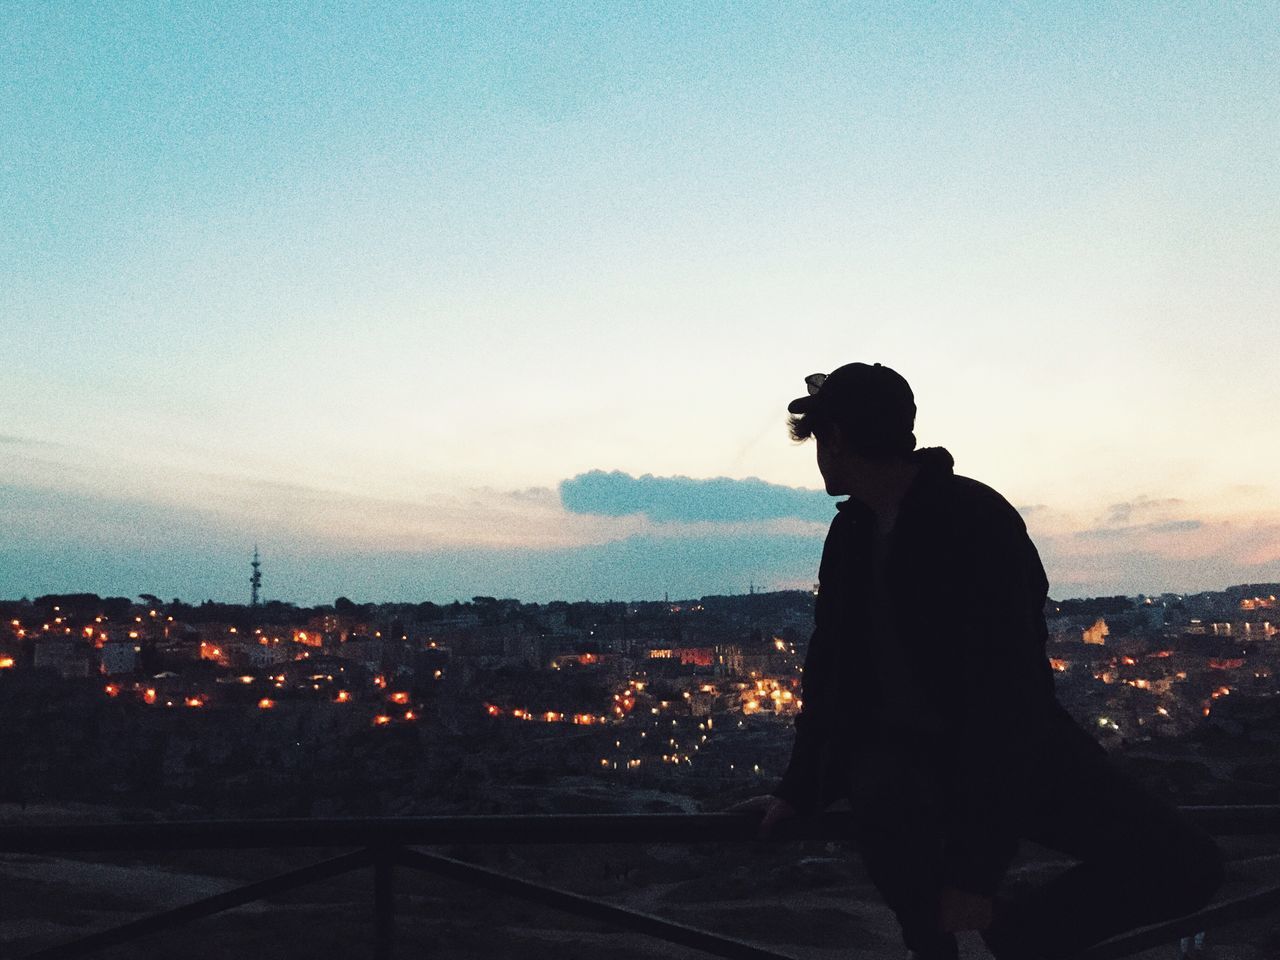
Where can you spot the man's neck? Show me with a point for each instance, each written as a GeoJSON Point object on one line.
{"type": "Point", "coordinates": [883, 488]}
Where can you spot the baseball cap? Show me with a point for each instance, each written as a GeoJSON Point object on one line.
{"type": "Point", "coordinates": [873, 402]}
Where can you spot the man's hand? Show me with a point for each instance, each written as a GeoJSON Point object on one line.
{"type": "Point", "coordinates": [961, 910]}
{"type": "Point", "coordinates": [772, 810]}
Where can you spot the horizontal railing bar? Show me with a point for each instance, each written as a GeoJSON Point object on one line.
{"type": "Point", "coordinates": [207, 906]}
{"type": "Point", "coordinates": [402, 831]}
{"type": "Point", "coordinates": [1229, 911]}
{"type": "Point", "coordinates": [633, 920]}
{"type": "Point", "coordinates": [506, 830]}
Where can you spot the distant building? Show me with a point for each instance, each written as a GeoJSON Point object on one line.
{"type": "Point", "coordinates": [1098, 633]}
{"type": "Point", "coordinates": [687, 656]}
{"type": "Point", "coordinates": [120, 656]}
{"type": "Point", "coordinates": [267, 654]}
{"type": "Point", "coordinates": [69, 657]}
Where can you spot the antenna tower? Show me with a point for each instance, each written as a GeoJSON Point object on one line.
{"type": "Point", "coordinates": [255, 581]}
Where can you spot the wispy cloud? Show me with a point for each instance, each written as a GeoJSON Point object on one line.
{"type": "Point", "coordinates": [13, 440]}
{"type": "Point", "coordinates": [1133, 530]}
{"type": "Point", "coordinates": [1182, 555]}
{"type": "Point", "coordinates": [116, 529]}
{"type": "Point", "coordinates": [685, 499]}
{"type": "Point", "coordinates": [1127, 511]}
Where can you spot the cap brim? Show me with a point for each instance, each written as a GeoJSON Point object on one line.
{"type": "Point", "coordinates": [801, 405]}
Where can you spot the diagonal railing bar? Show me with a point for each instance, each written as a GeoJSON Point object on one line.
{"type": "Point", "coordinates": [1242, 908]}
{"type": "Point", "coordinates": [217, 903]}
{"type": "Point", "coordinates": [1235, 819]}
{"type": "Point", "coordinates": [592, 909]}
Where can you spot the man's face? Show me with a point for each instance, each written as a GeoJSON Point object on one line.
{"type": "Point", "coordinates": [829, 464]}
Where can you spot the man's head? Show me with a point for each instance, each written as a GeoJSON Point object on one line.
{"type": "Point", "coordinates": [870, 406]}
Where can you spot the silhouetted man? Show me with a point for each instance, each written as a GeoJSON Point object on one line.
{"type": "Point", "coordinates": [929, 704]}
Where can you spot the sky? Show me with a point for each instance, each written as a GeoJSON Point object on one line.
{"type": "Point", "coordinates": [438, 300]}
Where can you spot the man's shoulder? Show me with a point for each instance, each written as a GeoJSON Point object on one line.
{"type": "Point", "coordinates": [974, 500]}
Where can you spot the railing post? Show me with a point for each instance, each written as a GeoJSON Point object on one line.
{"type": "Point", "coordinates": [384, 902]}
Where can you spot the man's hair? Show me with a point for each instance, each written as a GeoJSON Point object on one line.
{"type": "Point", "coordinates": [802, 426]}
{"type": "Point", "coordinates": [864, 438]}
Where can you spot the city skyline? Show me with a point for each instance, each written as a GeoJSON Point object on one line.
{"type": "Point", "coordinates": [390, 293]}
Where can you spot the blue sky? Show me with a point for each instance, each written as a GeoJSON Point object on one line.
{"type": "Point", "coordinates": [372, 286]}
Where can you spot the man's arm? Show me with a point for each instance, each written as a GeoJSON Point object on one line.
{"type": "Point", "coordinates": [1005, 690]}
{"type": "Point", "coordinates": [801, 783]}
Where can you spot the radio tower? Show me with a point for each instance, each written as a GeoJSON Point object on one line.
{"type": "Point", "coordinates": [255, 581]}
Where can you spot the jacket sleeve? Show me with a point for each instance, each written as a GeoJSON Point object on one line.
{"type": "Point", "coordinates": [1003, 673]}
{"type": "Point", "coordinates": [801, 784]}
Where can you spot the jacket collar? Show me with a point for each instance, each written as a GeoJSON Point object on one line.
{"type": "Point", "coordinates": [936, 466]}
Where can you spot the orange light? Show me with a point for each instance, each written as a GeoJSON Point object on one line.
{"type": "Point", "coordinates": [112, 690]}
{"type": "Point", "coordinates": [381, 720]}
{"type": "Point", "coordinates": [194, 702]}
{"type": "Point", "coordinates": [410, 715]}
{"type": "Point", "coordinates": [343, 696]}
{"type": "Point", "coordinates": [380, 681]}
{"type": "Point", "coordinates": [399, 697]}
{"type": "Point", "coordinates": [266, 703]}
{"type": "Point", "coordinates": [494, 711]}
{"type": "Point", "coordinates": [149, 695]}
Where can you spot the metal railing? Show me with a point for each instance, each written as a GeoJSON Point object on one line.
{"type": "Point", "coordinates": [386, 845]}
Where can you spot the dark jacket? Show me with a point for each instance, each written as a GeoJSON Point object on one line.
{"type": "Point", "coordinates": [966, 591]}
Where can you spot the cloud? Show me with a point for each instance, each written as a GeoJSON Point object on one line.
{"type": "Point", "coordinates": [1116, 533]}
{"type": "Point", "coordinates": [684, 499]}
{"type": "Point", "coordinates": [635, 568]}
{"type": "Point", "coordinates": [320, 543]}
{"type": "Point", "coordinates": [31, 443]}
{"type": "Point", "coordinates": [1174, 526]}
{"type": "Point", "coordinates": [190, 507]}
{"type": "Point", "coordinates": [1124, 512]}
{"type": "Point", "coordinates": [119, 530]}
{"type": "Point", "coordinates": [1183, 556]}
